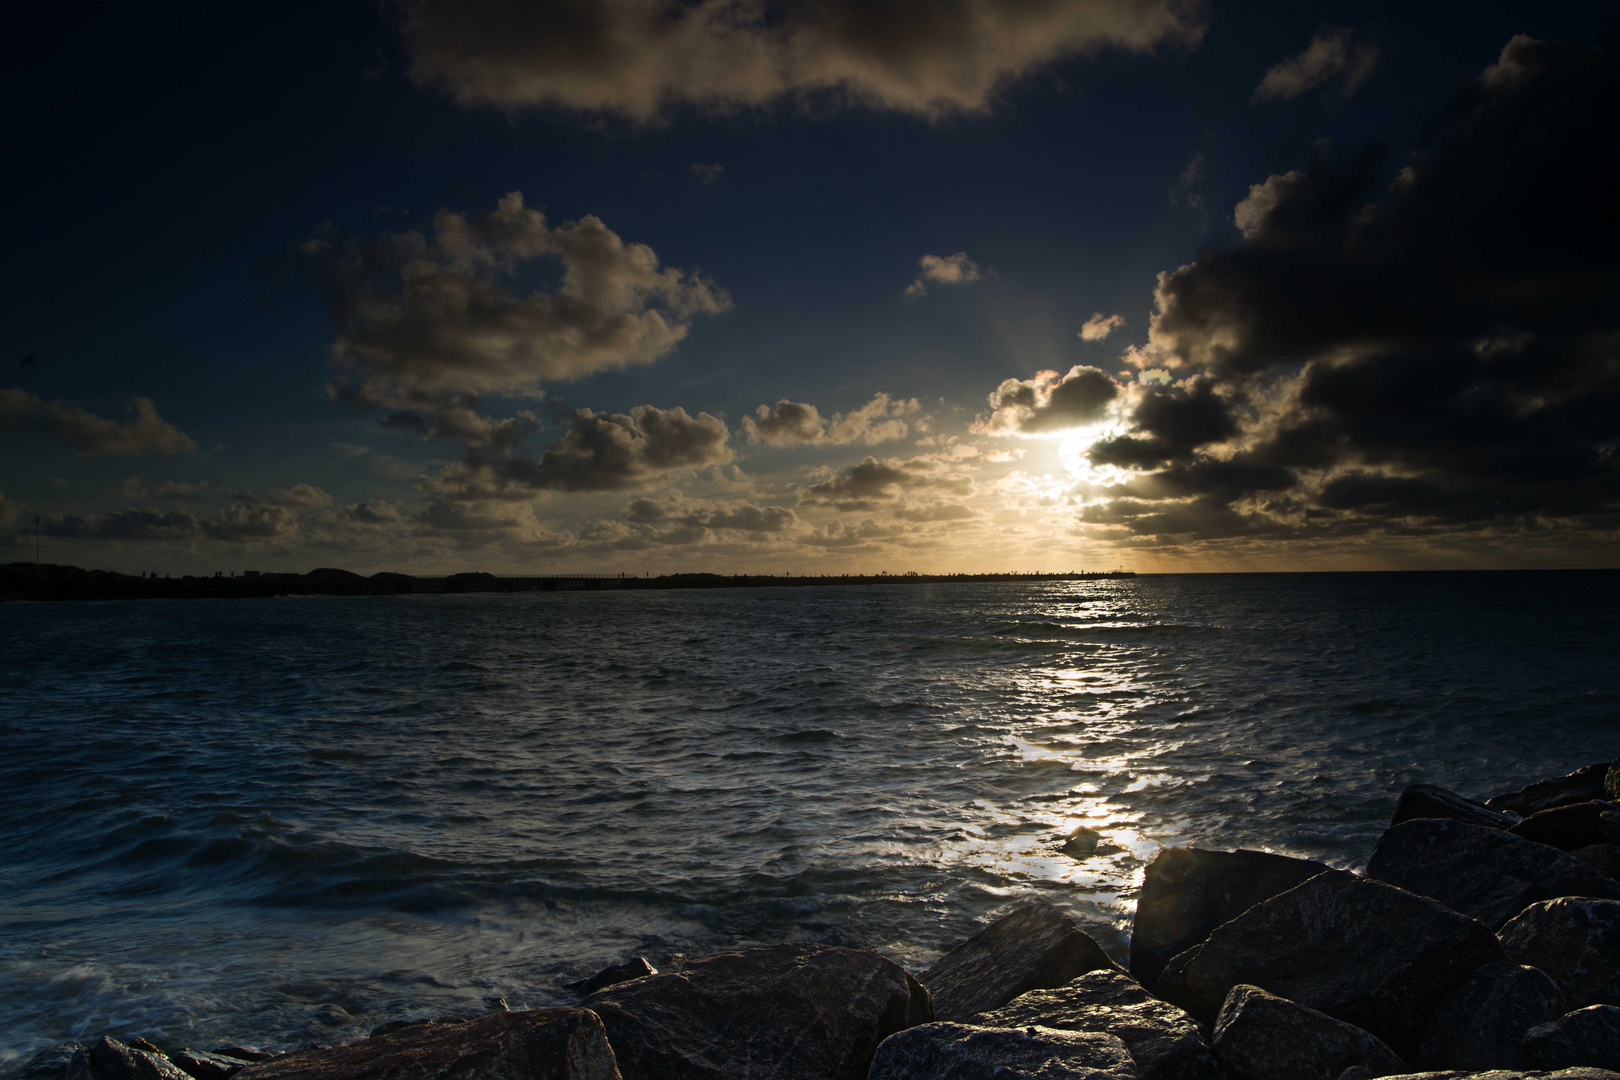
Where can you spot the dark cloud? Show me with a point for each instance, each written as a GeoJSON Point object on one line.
{"type": "Point", "coordinates": [872, 481]}
{"type": "Point", "coordinates": [1337, 61]}
{"type": "Point", "coordinates": [430, 324]}
{"type": "Point", "coordinates": [790, 422]}
{"type": "Point", "coordinates": [1435, 349]}
{"type": "Point", "coordinates": [637, 58]}
{"type": "Point", "coordinates": [1050, 402]}
{"type": "Point", "coordinates": [90, 435]}
{"type": "Point", "coordinates": [732, 516]}
{"type": "Point", "coordinates": [130, 524]}
{"type": "Point", "coordinates": [597, 452]}
{"type": "Point", "coordinates": [134, 487]}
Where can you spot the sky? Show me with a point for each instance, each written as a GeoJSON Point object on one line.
{"type": "Point", "coordinates": [736, 286]}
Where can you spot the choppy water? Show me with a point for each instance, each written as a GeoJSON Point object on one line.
{"type": "Point", "coordinates": [217, 817]}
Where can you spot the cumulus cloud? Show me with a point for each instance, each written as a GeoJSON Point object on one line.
{"type": "Point", "coordinates": [128, 524]}
{"type": "Point", "coordinates": [1099, 326]}
{"type": "Point", "coordinates": [136, 488]}
{"type": "Point", "coordinates": [296, 497]}
{"type": "Point", "coordinates": [638, 58]}
{"type": "Point", "coordinates": [430, 323]}
{"type": "Point", "coordinates": [871, 482]}
{"type": "Point", "coordinates": [955, 269]}
{"type": "Point", "coordinates": [677, 516]}
{"type": "Point", "coordinates": [1339, 60]}
{"type": "Point", "coordinates": [1400, 352]}
{"type": "Point", "coordinates": [90, 435]}
{"type": "Point", "coordinates": [1050, 402]}
{"type": "Point", "coordinates": [597, 452]}
{"type": "Point", "coordinates": [788, 423]}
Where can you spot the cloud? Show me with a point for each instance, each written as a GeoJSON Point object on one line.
{"type": "Point", "coordinates": [788, 423]}
{"type": "Point", "coordinates": [637, 59]}
{"type": "Point", "coordinates": [136, 488]}
{"type": "Point", "coordinates": [1049, 402]}
{"type": "Point", "coordinates": [1339, 59]}
{"type": "Point", "coordinates": [835, 534]}
{"type": "Point", "coordinates": [1400, 353]}
{"type": "Point", "coordinates": [128, 524]}
{"type": "Point", "coordinates": [1099, 326]}
{"type": "Point", "coordinates": [706, 174]}
{"type": "Point", "coordinates": [677, 512]}
{"type": "Point", "coordinates": [349, 450]}
{"type": "Point", "coordinates": [249, 522]}
{"type": "Point", "coordinates": [297, 497]}
{"type": "Point", "coordinates": [955, 269]}
{"type": "Point", "coordinates": [862, 486]}
{"type": "Point", "coordinates": [597, 452]}
{"type": "Point", "coordinates": [432, 323]}
{"type": "Point", "coordinates": [90, 435]}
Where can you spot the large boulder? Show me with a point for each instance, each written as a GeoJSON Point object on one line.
{"type": "Point", "coordinates": [109, 1059]}
{"type": "Point", "coordinates": [1036, 947]}
{"type": "Point", "coordinates": [1481, 1024]}
{"type": "Point", "coordinates": [1604, 858]}
{"type": "Point", "coordinates": [1264, 1037]}
{"type": "Point", "coordinates": [50, 1063]}
{"type": "Point", "coordinates": [1431, 801]}
{"type": "Point", "coordinates": [1163, 1040]}
{"type": "Point", "coordinates": [202, 1065]}
{"type": "Point", "coordinates": [1577, 825]}
{"type": "Point", "coordinates": [1611, 781]}
{"type": "Point", "coordinates": [1589, 1036]}
{"type": "Point", "coordinates": [1576, 941]}
{"type": "Point", "coordinates": [536, 1044]}
{"type": "Point", "coordinates": [1187, 892]}
{"type": "Point", "coordinates": [783, 1011]}
{"type": "Point", "coordinates": [1361, 951]}
{"type": "Point", "coordinates": [635, 968]}
{"type": "Point", "coordinates": [1581, 785]}
{"type": "Point", "coordinates": [1487, 874]}
{"type": "Point", "coordinates": [947, 1051]}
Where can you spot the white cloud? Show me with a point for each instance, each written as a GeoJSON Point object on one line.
{"type": "Point", "coordinates": [955, 269]}
{"type": "Point", "coordinates": [1099, 326]}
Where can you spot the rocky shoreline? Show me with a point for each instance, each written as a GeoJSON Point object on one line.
{"type": "Point", "coordinates": [1482, 940]}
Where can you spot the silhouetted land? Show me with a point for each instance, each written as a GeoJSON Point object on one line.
{"type": "Point", "coordinates": [23, 581]}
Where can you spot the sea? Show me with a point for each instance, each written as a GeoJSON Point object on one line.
{"type": "Point", "coordinates": [280, 822]}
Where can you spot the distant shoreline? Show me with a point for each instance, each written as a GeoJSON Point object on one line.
{"type": "Point", "coordinates": [21, 581]}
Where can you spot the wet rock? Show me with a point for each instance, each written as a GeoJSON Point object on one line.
{"type": "Point", "coordinates": [388, 1027]}
{"type": "Point", "coordinates": [947, 1051]}
{"type": "Point", "coordinates": [109, 1059]}
{"type": "Point", "coordinates": [1487, 874]}
{"type": "Point", "coordinates": [1163, 1040]}
{"type": "Point", "coordinates": [1431, 801]}
{"type": "Point", "coordinates": [50, 1063]}
{"type": "Point", "coordinates": [1481, 1024]}
{"type": "Point", "coordinates": [1604, 858]}
{"type": "Point", "coordinates": [245, 1053]}
{"type": "Point", "coordinates": [1589, 1036]}
{"type": "Point", "coordinates": [611, 976]}
{"type": "Point", "coordinates": [1574, 826]}
{"type": "Point", "coordinates": [1187, 892]}
{"type": "Point", "coordinates": [1081, 843]}
{"type": "Point", "coordinates": [1582, 785]}
{"type": "Point", "coordinates": [784, 1011]}
{"type": "Point", "coordinates": [1574, 940]}
{"type": "Point", "coordinates": [1036, 947]}
{"type": "Point", "coordinates": [541, 1044]}
{"type": "Point", "coordinates": [1361, 951]}
{"type": "Point", "coordinates": [1356, 1072]}
{"type": "Point", "coordinates": [201, 1065]}
{"type": "Point", "coordinates": [1264, 1037]}
{"type": "Point", "coordinates": [332, 1016]}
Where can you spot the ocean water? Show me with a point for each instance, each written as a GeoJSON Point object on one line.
{"type": "Point", "coordinates": [218, 819]}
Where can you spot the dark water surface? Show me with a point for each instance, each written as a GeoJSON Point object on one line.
{"type": "Point", "coordinates": [217, 817]}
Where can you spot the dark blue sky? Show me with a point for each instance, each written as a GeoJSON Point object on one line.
{"type": "Point", "coordinates": [166, 172]}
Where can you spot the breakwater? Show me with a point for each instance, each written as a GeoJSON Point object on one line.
{"type": "Point", "coordinates": [1482, 939]}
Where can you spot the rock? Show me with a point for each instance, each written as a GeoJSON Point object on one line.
{"type": "Point", "coordinates": [783, 1011]}
{"type": "Point", "coordinates": [244, 1053]}
{"type": "Point", "coordinates": [540, 1044]}
{"type": "Point", "coordinates": [1361, 951]}
{"type": "Point", "coordinates": [1589, 1036]}
{"type": "Point", "coordinates": [109, 1059]}
{"type": "Point", "coordinates": [1583, 784]}
{"type": "Point", "coordinates": [636, 968]}
{"type": "Point", "coordinates": [50, 1063]}
{"type": "Point", "coordinates": [333, 1016]}
{"type": "Point", "coordinates": [1264, 1037]}
{"type": "Point", "coordinates": [1574, 826]}
{"type": "Point", "coordinates": [1576, 941]}
{"type": "Point", "coordinates": [1036, 947]}
{"type": "Point", "coordinates": [388, 1027]}
{"type": "Point", "coordinates": [1487, 874]}
{"type": "Point", "coordinates": [1611, 781]}
{"type": "Point", "coordinates": [1187, 892]}
{"type": "Point", "coordinates": [1356, 1072]}
{"type": "Point", "coordinates": [1163, 1040]}
{"type": "Point", "coordinates": [1481, 1024]}
{"type": "Point", "coordinates": [201, 1065]}
{"type": "Point", "coordinates": [1430, 801]}
{"type": "Point", "coordinates": [1081, 843]}
{"type": "Point", "coordinates": [947, 1051]}
{"type": "Point", "coordinates": [1604, 858]}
